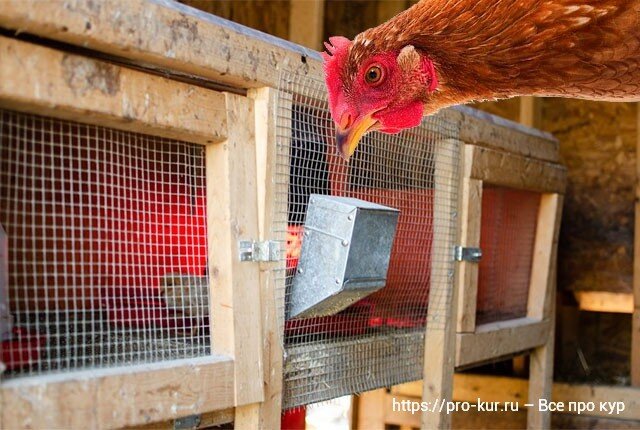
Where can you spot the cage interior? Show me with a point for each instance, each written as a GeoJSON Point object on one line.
{"type": "Point", "coordinates": [106, 240]}
{"type": "Point", "coordinates": [375, 342]}
{"type": "Point", "coordinates": [507, 237]}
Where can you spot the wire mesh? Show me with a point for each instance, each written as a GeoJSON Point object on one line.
{"type": "Point", "coordinates": [507, 237]}
{"type": "Point", "coordinates": [377, 341]}
{"type": "Point", "coordinates": [106, 246]}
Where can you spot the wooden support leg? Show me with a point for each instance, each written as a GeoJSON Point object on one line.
{"type": "Point", "coordinates": [541, 382]}
{"type": "Point", "coordinates": [440, 335]}
{"type": "Point", "coordinates": [371, 410]}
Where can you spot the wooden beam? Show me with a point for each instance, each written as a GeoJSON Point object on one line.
{"type": "Point", "coordinates": [500, 339]}
{"type": "Point", "coordinates": [491, 131]}
{"type": "Point", "coordinates": [373, 410]}
{"type": "Point", "coordinates": [271, 290]}
{"type": "Point", "coordinates": [541, 374]}
{"type": "Point", "coordinates": [635, 330]}
{"type": "Point", "coordinates": [48, 82]}
{"type": "Point", "coordinates": [470, 221]}
{"type": "Point", "coordinates": [515, 171]}
{"type": "Point", "coordinates": [232, 215]}
{"type": "Point", "coordinates": [530, 111]}
{"type": "Point", "coordinates": [545, 254]}
{"type": "Point", "coordinates": [163, 34]}
{"type": "Point", "coordinates": [440, 334]}
{"type": "Point", "coordinates": [306, 23]}
{"type": "Point", "coordinates": [530, 115]}
{"type": "Point", "coordinates": [207, 419]}
{"type": "Point", "coordinates": [604, 301]}
{"type": "Point", "coordinates": [118, 397]}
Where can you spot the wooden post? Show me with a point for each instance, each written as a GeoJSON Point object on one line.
{"type": "Point", "coordinates": [232, 215]}
{"type": "Point", "coordinates": [470, 221]}
{"type": "Point", "coordinates": [306, 23]}
{"type": "Point", "coordinates": [530, 111]}
{"type": "Point", "coordinates": [541, 305]}
{"type": "Point", "coordinates": [530, 115]}
{"type": "Point", "coordinates": [635, 334]}
{"type": "Point", "coordinates": [371, 410]}
{"type": "Point", "coordinates": [269, 414]}
{"type": "Point", "coordinates": [440, 334]}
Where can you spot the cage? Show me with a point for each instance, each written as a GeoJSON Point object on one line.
{"type": "Point", "coordinates": [126, 197]}
{"type": "Point", "coordinates": [378, 340]}
{"type": "Point", "coordinates": [110, 246]}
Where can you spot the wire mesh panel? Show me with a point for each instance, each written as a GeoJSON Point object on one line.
{"type": "Point", "coordinates": [377, 341]}
{"type": "Point", "coordinates": [507, 237]}
{"type": "Point", "coordinates": [107, 249]}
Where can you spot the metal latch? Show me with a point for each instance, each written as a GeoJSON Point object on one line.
{"type": "Point", "coordinates": [251, 250]}
{"type": "Point", "coordinates": [190, 422]}
{"type": "Point", "coordinates": [473, 255]}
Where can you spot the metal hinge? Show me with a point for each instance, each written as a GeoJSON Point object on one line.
{"type": "Point", "coordinates": [250, 250]}
{"type": "Point", "coordinates": [473, 255]}
{"type": "Point", "coordinates": [190, 422]}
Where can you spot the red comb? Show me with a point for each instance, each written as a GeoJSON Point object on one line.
{"type": "Point", "coordinates": [335, 44]}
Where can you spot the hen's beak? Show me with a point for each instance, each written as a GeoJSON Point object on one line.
{"type": "Point", "coordinates": [347, 138]}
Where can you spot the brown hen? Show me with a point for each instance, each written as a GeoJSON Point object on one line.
{"type": "Point", "coordinates": [444, 52]}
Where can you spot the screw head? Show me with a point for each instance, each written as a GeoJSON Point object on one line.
{"type": "Point", "coordinates": [345, 242]}
{"type": "Point", "coordinates": [300, 271]}
{"type": "Point", "coordinates": [350, 217]}
{"type": "Point", "coordinates": [337, 281]}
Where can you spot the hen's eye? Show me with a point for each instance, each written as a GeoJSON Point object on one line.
{"type": "Point", "coordinates": [373, 75]}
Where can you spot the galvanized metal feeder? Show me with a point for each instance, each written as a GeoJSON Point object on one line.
{"type": "Point", "coordinates": [345, 254]}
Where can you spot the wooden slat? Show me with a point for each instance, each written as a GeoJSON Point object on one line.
{"type": "Point", "coordinates": [162, 34]}
{"type": "Point", "coordinates": [515, 171]}
{"type": "Point", "coordinates": [440, 333]}
{"type": "Point", "coordinates": [373, 410]}
{"type": "Point", "coordinates": [530, 111]}
{"type": "Point", "coordinates": [232, 215]}
{"type": "Point", "coordinates": [541, 304]}
{"type": "Point", "coordinates": [207, 419]}
{"type": "Point", "coordinates": [118, 397]}
{"type": "Point", "coordinates": [605, 301]}
{"type": "Point", "coordinates": [306, 22]}
{"type": "Point", "coordinates": [541, 376]}
{"type": "Point", "coordinates": [500, 339]}
{"type": "Point", "coordinates": [545, 252]}
{"type": "Point", "coordinates": [272, 301]}
{"type": "Point", "coordinates": [45, 81]}
{"type": "Point", "coordinates": [490, 131]}
{"type": "Point", "coordinates": [470, 220]}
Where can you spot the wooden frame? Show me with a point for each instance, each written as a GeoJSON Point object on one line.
{"type": "Point", "coordinates": [479, 344]}
{"type": "Point", "coordinates": [78, 88]}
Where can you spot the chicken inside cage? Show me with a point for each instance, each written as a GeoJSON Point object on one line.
{"type": "Point", "coordinates": [106, 246]}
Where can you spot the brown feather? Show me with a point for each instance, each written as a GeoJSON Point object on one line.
{"type": "Point", "coordinates": [488, 49]}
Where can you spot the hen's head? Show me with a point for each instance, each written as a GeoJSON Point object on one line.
{"type": "Point", "coordinates": [374, 89]}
